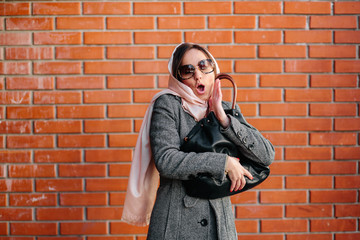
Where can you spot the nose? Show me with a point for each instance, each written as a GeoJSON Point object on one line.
{"type": "Point", "coordinates": [197, 73]}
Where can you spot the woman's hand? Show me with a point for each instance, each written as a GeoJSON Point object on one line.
{"type": "Point", "coordinates": [236, 173]}
{"type": "Point", "coordinates": [216, 105]}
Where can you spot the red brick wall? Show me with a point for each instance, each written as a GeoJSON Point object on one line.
{"type": "Point", "coordinates": [76, 78]}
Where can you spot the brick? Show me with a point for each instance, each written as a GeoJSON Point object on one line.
{"type": "Point", "coordinates": [332, 196]}
{"type": "Point", "coordinates": [32, 199]}
{"type": "Point", "coordinates": [80, 111]}
{"type": "Point", "coordinates": [29, 24]}
{"type": "Point", "coordinates": [125, 111]}
{"type": "Point", "coordinates": [157, 37]}
{"type": "Point", "coordinates": [305, 36]}
{"type": "Point", "coordinates": [104, 213]}
{"type": "Point", "coordinates": [333, 168]}
{"type": "Point", "coordinates": [283, 80]}
{"type": "Point", "coordinates": [259, 211]}
{"type": "Point", "coordinates": [79, 52]}
{"type": "Point", "coordinates": [347, 153]}
{"type": "Point", "coordinates": [130, 52]}
{"type": "Point", "coordinates": [107, 96]}
{"type": "Point", "coordinates": [232, 51]}
{"type": "Point", "coordinates": [15, 214]}
{"type": "Point", "coordinates": [347, 236]}
{"type": "Point", "coordinates": [57, 126]}
{"type": "Point", "coordinates": [121, 125]}
{"type": "Point", "coordinates": [157, 8]}
{"type": "Point", "coordinates": [106, 8]}
{"type": "Point", "coordinates": [58, 238]}
{"type": "Point", "coordinates": [272, 182]}
{"type": "Point", "coordinates": [29, 83]}
{"type": "Point", "coordinates": [57, 97]}
{"type": "Point", "coordinates": [308, 211]}
{"type": "Point", "coordinates": [113, 67]}
{"type": "Point", "coordinates": [181, 22]}
{"type": "Point", "coordinates": [57, 67]}
{"type": "Point", "coordinates": [15, 97]}
{"type": "Point", "coordinates": [337, 225]}
{"type": "Point", "coordinates": [333, 109]}
{"type": "Point", "coordinates": [15, 156]}
{"type": "Point", "coordinates": [24, 53]}
{"type": "Point", "coordinates": [62, 8]}
{"type": "Point", "coordinates": [8, 127]}
{"type": "Point", "coordinates": [232, 22]}
{"type": "Point", "coordinates": [107, 38]}
{"type": "Point", "coordinates": [80, 82]}
{"type": "Point", "coordinates": [10, 9]}
{"type": "Point", "coordinates": [41, 112]}
{"type": "Point", "coordinates": [266, 124]}
{"type": "Point", "coordinates": [57, 38]}
{"type": "Point", "coordinates": [346, 8]}
{"type": "Point", "coordinates": [247, 226]}
{"type": "Point", "coordinates": [16, 185]}
{"type": "Point", "coordinates": [283, 109]}
{"type": "Point", "coordinates": [309, 182]}
{"type": "Point", "coordinates": [207, 7]}
{"type": "Point", "coordinates": [258, 37]}
{"type": "Point", "coordinates": [333, 81]}
{"type": "Point", "coordinates": [83, 199]}
{"type": "Point", "coordinates": [347, 182]}
{"type": "Point", "coordinates": [117, 198]}
{"type": "Point", "coordinates": [57, 156]}
{"type": "Point", "coordinates": [14, 68]}
{"type": "Point", "coordinates": [287, 139]}
{"type": "Point", "coordinates": [56, 214]}
{"type": "Point", "coordinates": [307, 7]}
{"type": "Point", "coordinates": [108, 155]}
{"type": "Point", "coordinates": [332, 51]}
{"type": "Point", "coordinates": [259, 7]}
{"type": "Point", "coordinates": [131, 82]}
{"type": "Point", "coordinates": [282, 22]}
{"type": "Point", "coordinates": [308, 95]}
{"type": "Point", "coordinates": [333, 22]}
{"type": "Point", "coordinates": [309, 124]}
{"type": "Point", "coordinates": [59, 185]}
{"type": "Point", "coordinates": [263, 66]}
{"type": "Point", "coordinates": [289, 225]}
{"type": "Point", "coordinates": [209, 36]}
{"type": "Point", "coordinates": [30, 141]}
{"type": "Point", "coordinates": [80, 23]}
{"type": "Point", "coordinates": [119, 170]}
{"type": "Point", "coordinates": [261, 236]}
{"type": "Point", "coordinates": [85, 228]}
{"type": "Point", "coordinates": [144, 96]}
{"type": "Point", "coordinates": [81, 170]}
{"type": "Point", "coordinates": [130, 23]}
{"type": "Point", "coordinates": [15, 38]}
{"type": "Point", "coordinates": [347, 66]}
{"type": "Point", "coordinates": [332, 138]}
{"type": "Point", "coordinates": [347, 210]}
{"type": "Point", "coordinates": [288, 168]}
{"type": "Point", "coordinates": [278, 51]}
{"type": "Point", "coordinates": [33, 228]}
{"type": "Point", "coordinates": [113, 184]}
{"type": "Point", "coordinates": [80, 141]}
{"type": "Point", "coordinates": [123, 228]}
{"type": "Point", "coordinates": [346, 36]}
{"type": "Point", "coordinates": [308, 66]}
{"type": "Point", "coordinates": [31, 171]}
{"type": "Point", "coordinates": [122, 140]}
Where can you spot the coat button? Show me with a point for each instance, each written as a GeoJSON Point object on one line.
{"type": "Point", "coordinates": [204, 222]}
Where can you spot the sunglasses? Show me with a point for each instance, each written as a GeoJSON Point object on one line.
{"type": "Point", "coordinates": [206, 66]}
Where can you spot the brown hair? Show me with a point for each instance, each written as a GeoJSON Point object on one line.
{"type": "Point", "coordinates": [179, 55]}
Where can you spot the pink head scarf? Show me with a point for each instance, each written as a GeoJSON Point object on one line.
{"type": "Point", "coordinates": [144, 178]}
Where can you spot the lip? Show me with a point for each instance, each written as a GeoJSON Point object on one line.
{"type": "Point", "coordinates": [200, 89]}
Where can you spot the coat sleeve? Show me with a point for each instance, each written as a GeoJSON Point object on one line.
{"type": "Point", "coordinates": [165, 143]}
{"type": "Point", "coordinates": [249, 140]}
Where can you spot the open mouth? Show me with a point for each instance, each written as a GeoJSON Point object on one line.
{"type": "Point", "coordinates": [200, 89]}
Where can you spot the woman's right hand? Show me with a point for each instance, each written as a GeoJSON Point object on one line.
{"type": "Point", "coordinates": [236, 173]}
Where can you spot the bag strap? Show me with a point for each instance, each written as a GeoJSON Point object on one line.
{"type": "Point", "coordinates": [228, 77]}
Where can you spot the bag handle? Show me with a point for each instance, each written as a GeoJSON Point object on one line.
{"type": "Point", "coordinates": [228, 77]}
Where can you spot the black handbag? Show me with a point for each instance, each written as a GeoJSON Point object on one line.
{"type": "Point", "coordinates": [207, 137]}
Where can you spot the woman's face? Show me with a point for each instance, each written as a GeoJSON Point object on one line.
{"type": "Point", "coordinates": [201, 83]}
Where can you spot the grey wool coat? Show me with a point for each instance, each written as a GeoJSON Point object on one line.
{"type": "Point", "coordinates": [176, 215]}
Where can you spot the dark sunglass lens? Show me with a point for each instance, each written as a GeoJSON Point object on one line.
{"type": "Point", "coordinates": [186, 71]}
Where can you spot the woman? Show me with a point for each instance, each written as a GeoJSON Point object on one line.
{"type": "Point", "coordinates": [193, 92]}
